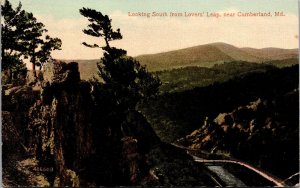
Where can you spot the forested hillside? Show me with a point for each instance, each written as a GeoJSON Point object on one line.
{"type": "Point", "coordinates": [174, 115]}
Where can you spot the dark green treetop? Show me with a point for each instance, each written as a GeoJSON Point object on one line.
{"type": "Point", "coordinates": [22, 35]}
{"type": "Point", "coordinates": [127, 80]}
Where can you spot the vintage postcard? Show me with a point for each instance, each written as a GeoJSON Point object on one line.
{"type": "Point", "coordinates": [150, 93]}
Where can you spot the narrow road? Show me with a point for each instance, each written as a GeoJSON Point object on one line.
{"type": "Point", "coordinates": [232, 161]}
{"type": "Point", "coordinates": [275, 181]}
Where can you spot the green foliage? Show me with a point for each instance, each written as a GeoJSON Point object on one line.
{"type": "Point", "coordinates": [124, 78]}
{"type": "Point", "coordinates": [175, 114]}
{"type": "Point", "coordinates": [9, 38]}
{"type": "Point", "coordinates": [100, 26]}
{"type": "Point", "coordinates": [22, 35]}
{"type": "Point", "coordinates": [177, 80]}
{"type": "Point", "coordinates": [122, 85]}
{"type": "Point", "coordinates": [284, 62]}
{"type": "Point", "coordinates": [264, 133]}
{"type": "Point", "coordinates": [48, 45]}
{"type": "Point", "coordinates": [14, 70]}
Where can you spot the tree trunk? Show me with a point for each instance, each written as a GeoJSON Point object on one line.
{"type": "Point", "coordinates": [33, 70]}
{"type": "Point", "coordinates": [9, 73]}
{"type": "Point", "coordinates": [33, 67]}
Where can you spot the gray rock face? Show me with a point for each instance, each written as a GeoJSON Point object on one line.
{"type": "Point", "coordinates": [60, 122]}
{"type": "Point", "coordinates": [57, 72]}
{"type": "Point", "coordinates": [66, 131]}
{"type": "Point", "coordinates": [50, 120]}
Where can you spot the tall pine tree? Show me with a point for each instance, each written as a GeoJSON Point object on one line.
{"type": "Point", "coordinates": [127, 81]}
{"type": "Point", "coordinates": [23, 36]}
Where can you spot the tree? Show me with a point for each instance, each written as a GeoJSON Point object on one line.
{"type": "Point", "coordinates": [22, 36]}
{"type": "Point", "coordinates": [32, 40]}
{"type": "Point", "coordinates": [9, 39]}
{"type": "Point", "coordinates": [122, 85]}
{"type": "Point", "coordinates": [47, 47]}
{"type": "Point", "coordinates": [37, 49]}
{"type": "Point", "coordinates": [126, 80]}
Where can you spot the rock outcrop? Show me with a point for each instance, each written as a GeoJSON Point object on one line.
{"type": "Point", "coordinates": [73, 139]}
{"type": "Point", "coordinates": [16, 102]}
{"type": "Point", "coordinates": [60, 123]}
{"type": "Point", "coordinates": [263, 133]}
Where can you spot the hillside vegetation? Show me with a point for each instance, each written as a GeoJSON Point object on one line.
{"type": "Point", "coordinates": [263, 133]}
{"type": "Point", "coordinates": [174, 115]}
{"type": "Point", "coordinates": [187, 78]}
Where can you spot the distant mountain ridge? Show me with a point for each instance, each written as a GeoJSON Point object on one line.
{"type": "Point", "coordinates": [208, 54]}
{"type": "Point", "coordinates": [203, 55]}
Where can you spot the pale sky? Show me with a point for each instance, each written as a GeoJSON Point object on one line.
{"type": "Point", "coordinates": [142, 35]}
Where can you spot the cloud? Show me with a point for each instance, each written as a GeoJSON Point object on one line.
{"type": "Point", "coordinates": [142, 35]}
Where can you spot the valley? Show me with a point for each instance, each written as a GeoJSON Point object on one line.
{"type": "Point", "coordinates": [216, 99]}
{"type": "Point", "coordinates": [204, 81]}
{"type": "Point", "coordinates": [192, 110]}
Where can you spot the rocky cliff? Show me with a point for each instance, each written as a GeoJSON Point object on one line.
{"type": "Point", "coordinates": [67, 137]}
{"type": "Point", "coordinates": [60, 122]}
{"type": "Point", "coordinates": [264, 133]}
